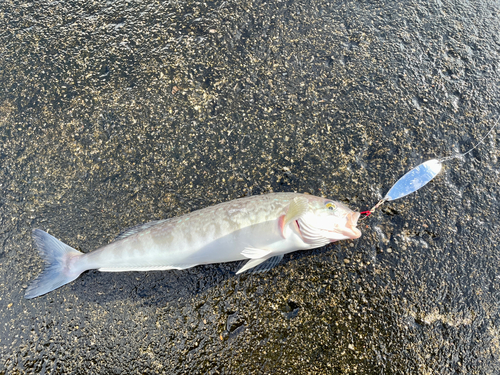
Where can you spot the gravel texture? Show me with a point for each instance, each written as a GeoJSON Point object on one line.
{"type": "Point", "coordinates": [120, 112]}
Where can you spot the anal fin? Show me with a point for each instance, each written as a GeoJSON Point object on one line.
{"type": "Point", "coordinates": [261, 265]}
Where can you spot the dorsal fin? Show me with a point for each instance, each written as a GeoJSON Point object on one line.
{"type": "Point", "coordinates": [136, 229]}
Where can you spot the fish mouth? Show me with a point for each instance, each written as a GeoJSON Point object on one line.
{"type": "Point", "coordinates": [314, 234]}
{"type": "Point", "coordinates": [351, 222]}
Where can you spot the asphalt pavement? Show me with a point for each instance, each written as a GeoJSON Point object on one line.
{"type": "Point", "coordinates": [116, 113]}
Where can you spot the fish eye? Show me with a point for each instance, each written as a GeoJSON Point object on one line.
{"type": "Point", "coordinates": [330, 206]}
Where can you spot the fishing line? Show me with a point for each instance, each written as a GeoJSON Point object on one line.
{"type": "Point", "coordinates": [420, 176]}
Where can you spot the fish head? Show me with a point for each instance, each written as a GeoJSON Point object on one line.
{"type": "Point", "coordinates": [327, 221]}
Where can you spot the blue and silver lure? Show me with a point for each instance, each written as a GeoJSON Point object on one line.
{"type": "Point", "coordinates": [420, 176]}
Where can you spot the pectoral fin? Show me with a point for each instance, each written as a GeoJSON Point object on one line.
{"type": "Point", "coordinates": [261, 265]}
{"type": "Point", "coordinates": [297, 208]}
{"type": "Point", "coordinates": [254, 253]}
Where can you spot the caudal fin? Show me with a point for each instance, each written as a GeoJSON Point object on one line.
{"type": "Point", "coordinates": [60, 260]}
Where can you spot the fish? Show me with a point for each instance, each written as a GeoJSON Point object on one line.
{"type": "Point", "coordinates": [259, 229]}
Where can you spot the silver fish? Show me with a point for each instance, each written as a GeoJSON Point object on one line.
{"type": "Point", "coordinates": [259, 228]}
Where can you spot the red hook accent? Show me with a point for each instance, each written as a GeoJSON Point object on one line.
{"type": "Point", "coordinates": [367, 213]}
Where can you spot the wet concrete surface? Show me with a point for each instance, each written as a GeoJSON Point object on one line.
{"type": "Point", "coordinates": [117, 113]}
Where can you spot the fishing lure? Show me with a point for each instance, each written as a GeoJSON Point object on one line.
{"type": "Point", "coordinates": [420, 176]}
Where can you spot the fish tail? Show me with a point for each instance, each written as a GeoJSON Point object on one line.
{"type": "Point", "coordinates": [61, 264]}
